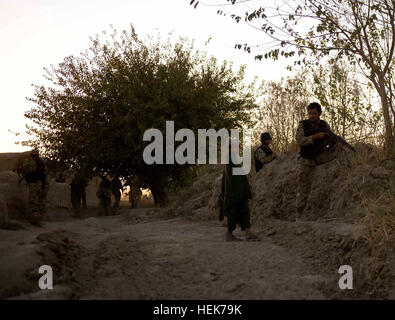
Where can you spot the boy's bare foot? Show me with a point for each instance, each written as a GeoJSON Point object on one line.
{"type": "Point", "coordinates": [231, 237]}
{"type": "Point", "coordinates": [252, 237]}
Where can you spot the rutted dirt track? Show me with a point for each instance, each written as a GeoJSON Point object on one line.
{"type": "Point", "coordinates": [116, 258]}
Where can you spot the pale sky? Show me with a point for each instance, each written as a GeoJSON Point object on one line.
{"type": "Point", "coordinates": [37, 33]}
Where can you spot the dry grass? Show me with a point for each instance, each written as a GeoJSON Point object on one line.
{"type": "Point", "coordinates": [380, 218]}
{"type": "Point", "coordinates": [378, 211]}
{"type": "Point", "coordinates": [366, 155]}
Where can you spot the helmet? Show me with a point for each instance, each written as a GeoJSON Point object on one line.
{"type": "Point", "coordinates": [35, 152]}
{"type": "Point", "coordinates": [266, 136]}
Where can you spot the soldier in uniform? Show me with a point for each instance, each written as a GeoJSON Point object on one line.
{"type": "Point", "coordinates": [134, 192]}
{"type": "Point", "coordinates": [116, 187]}
{"type": "Point", "coordinates": [104, 194]}
{"type": "Point", "coordinates": [310, 136]}
{"type": "Point", "coordinates": [263, 154]}
{"type": "Point", "coordinates": [78, 194]}
{"type": "Point", "coordinates": [34, 173]}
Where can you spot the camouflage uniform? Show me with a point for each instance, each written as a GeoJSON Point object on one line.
{"type": "Point", "coordinates": [104, 194]}
{"type": "Point", "coordinates": [77, 193]}
{"type": "Point", "coordinates": [134, 196]}
{"type": "Point", "coordinates": [33, 171]}
{"type": "Point", "coordinates": [263, 154]}
{"type": "Point", "coordinates": [134, 192]}
{"type": "Point", "coordinates": [116, 187]}
{"type": "Point", "coordinates": [263, 157]}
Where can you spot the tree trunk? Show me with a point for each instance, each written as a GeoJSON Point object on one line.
{"type": "Point", "coordinates": [159, 196]}
{"type": "Point", "coordinates": [389, 134]}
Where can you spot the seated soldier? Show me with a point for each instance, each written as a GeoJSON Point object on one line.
{"type": "Point", "coordinates": [312, 138]}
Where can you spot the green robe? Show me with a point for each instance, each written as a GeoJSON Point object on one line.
{"type": "Point", "coordinates": [234, 188]}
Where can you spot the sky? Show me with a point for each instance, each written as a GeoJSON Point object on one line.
{"type": "Point", "coordinates": [37, 33]}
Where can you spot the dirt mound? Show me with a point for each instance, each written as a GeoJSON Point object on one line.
{"type": "Point", "coordinates": [328, 245]}
{"type": "Point", "coordinates": [341, 188]}
{"type": "Point", "coordinates": [337, 191]}
{"type": "Point", "coordinates": [349, 217]}
{"type": "Point", "coordinates": [57, 251]}
{"type": "Point", "coordinates": [21, 260]}
{"type": "Point", "coordinates": [199, 199]}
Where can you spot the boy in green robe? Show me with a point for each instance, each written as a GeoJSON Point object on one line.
{"type": "Point", "coordinates": [235, 194]}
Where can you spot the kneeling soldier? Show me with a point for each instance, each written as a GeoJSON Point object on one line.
{"type": "Point", "coordinates": [263, 154]}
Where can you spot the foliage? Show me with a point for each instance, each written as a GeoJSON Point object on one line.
{"type": "Point", "coordinates": [93, 113]}
{"type": "Point", "coordinates": [346, 108]}
{"type": "Point", "coordinates": [283, 106]}
{"type": "Point", "coordinates": [360, 31]}
{"type": "Point", "coordinates": [347, 102]}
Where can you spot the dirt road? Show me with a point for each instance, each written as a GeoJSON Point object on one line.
{"type": "Point", "coordinates": [135, 256]}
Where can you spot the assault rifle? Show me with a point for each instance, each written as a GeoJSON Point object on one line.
{"type": "Point", "coordinates": [331, 140]}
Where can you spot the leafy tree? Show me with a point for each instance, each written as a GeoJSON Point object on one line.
{"type": "Point", "coordinates": [362, 31]}
{"type": "Point", "coordinates": [93, 113]}
{"type": "Point", "coordinates": [283, 106]}
{"type": "Point", "coordinates": [348, 109]}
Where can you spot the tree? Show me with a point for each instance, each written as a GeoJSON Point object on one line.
{"type": "Point", "coordinates": [348, 109]}
{"type": "Point", "coordinates": [93, 113]}
{"type": "Point", "coordinates": [337, 87]}
{"type": "Point", "coordinates": [362, 31]}
{"type": "Point", "coordinates": [283, 106]}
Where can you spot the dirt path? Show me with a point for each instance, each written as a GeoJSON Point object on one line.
{"type": "Point", "coordinates": [178, 259]}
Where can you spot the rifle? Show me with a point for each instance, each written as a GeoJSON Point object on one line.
{"type": "Point", "coordinates": [333, 138]}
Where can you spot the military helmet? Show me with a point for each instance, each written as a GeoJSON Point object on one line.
{"type": "Point", "coordinates": [265, 136]}
{"type": "Point", "coordinates": [35, 152]}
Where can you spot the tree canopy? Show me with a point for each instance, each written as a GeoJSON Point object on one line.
{"type": "Point", "coordinates": [94, 111]}
{"type": "Point", "coordinates": [347, 108]}
{"type": "Point", "coordinates": [362, 31]}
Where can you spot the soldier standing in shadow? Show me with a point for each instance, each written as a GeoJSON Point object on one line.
{"type": "Point", "coordinates": [78, 195]}
{"type": "Point", "coordinates": [33, 171]}
{"type": "Point", "coordinates": [104, 194]}
{"type": "Point", "coordinates": [116, 187]}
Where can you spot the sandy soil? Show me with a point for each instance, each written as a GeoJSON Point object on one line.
{"type": "Point", "coordinates": [136, 256]}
